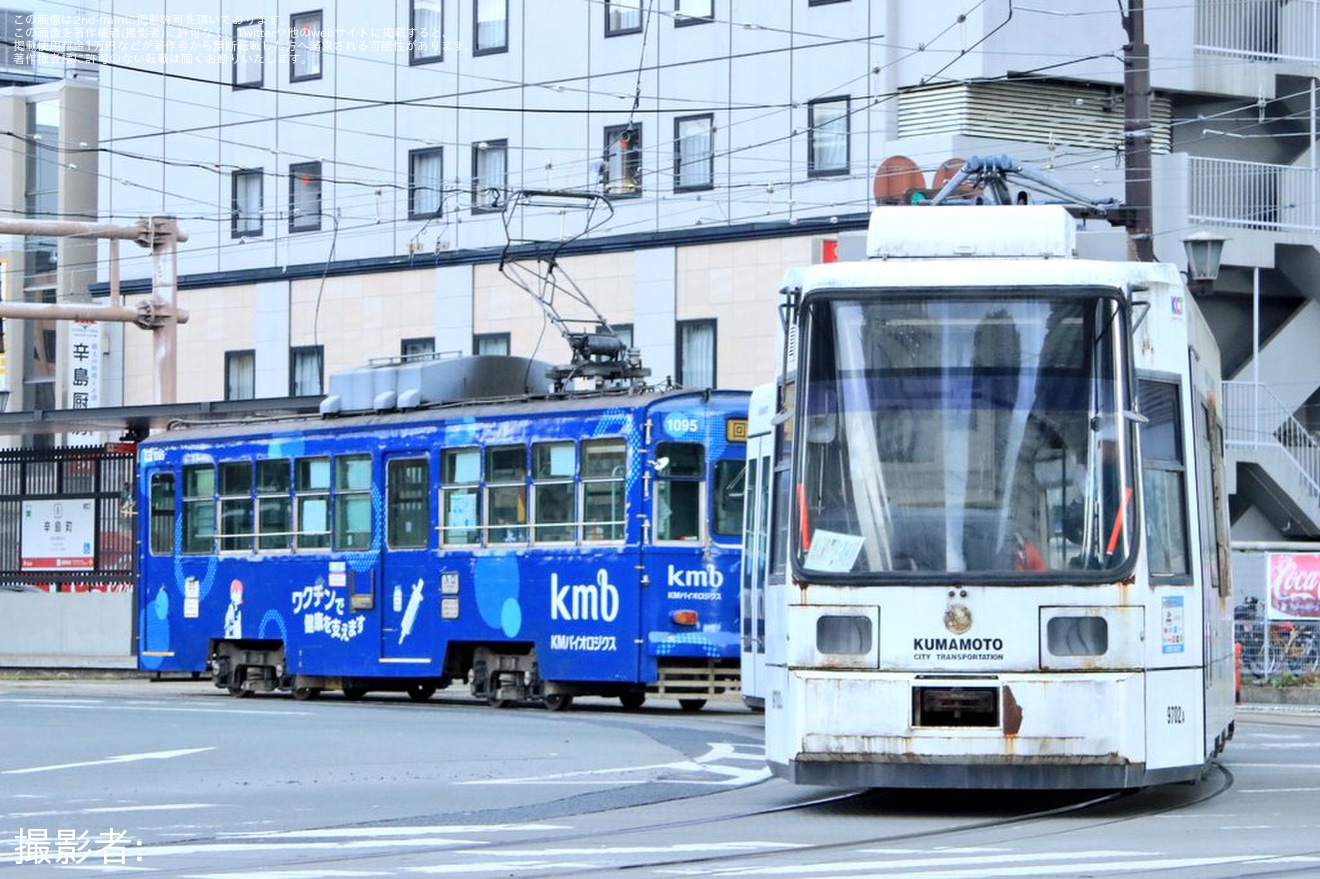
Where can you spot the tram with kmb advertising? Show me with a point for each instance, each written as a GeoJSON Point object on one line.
{"type": "Point", "coordinates": [534, 547]}
{"type": "Point", "coordinates": [994, 552]}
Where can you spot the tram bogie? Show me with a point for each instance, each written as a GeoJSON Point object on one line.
{"type": "Point", "coordinates": [992, 552]}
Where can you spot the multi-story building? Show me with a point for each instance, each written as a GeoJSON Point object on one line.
{"type": "Point", "coordinates": [348, 176]}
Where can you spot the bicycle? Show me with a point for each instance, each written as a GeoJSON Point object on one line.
{"type": "Point", "coordinates": [1271, 648]}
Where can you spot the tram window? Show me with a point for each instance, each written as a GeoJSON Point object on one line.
{"type": "Point", "coordinates": [1164, 479]}
{"type": "Point", "coordinates": [553, 466]}
{"type": "Point", "coordinates": [311, 485]}
{"type": "Point", "coordinates": [408, 511]}
{"type": "Point", "coordinates": [236, 524]}
{"type": "Point", "coordinates": [162, 513]}
{"type": "Point", "coordinates": [352, 520]}
{"type": "Point", "coordinates": [730, 495]}
{"type": "Point", "coordinates": [604, 464]}
{"type": "Point", "coordinates": [678, 491]}
{"type": "Point", "coordinates": [199, 508]}
{"type": "Point", "coordinates": [461, 497]}
{"type": "Point", "coordinates": [274, 506]}
{"type": "Point", "coordinates": [506, 494]}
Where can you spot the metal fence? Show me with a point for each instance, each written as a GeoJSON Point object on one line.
{"type": "Point", "coordinates": [67, 519]}
{"type": "Point", "coordinates": [1255, 418]}
{"type": "Point", "coordinates": [1252, 195]}
{"type": "Point", "coordinates": [1275, 651]}
{"type": "Point", "coordinates": [1259, 30]}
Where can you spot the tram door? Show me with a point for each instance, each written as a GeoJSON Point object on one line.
{"type": "Point", "coordinates": [756, 543]}
{"type": "Point", "coordinates": [406, 592]}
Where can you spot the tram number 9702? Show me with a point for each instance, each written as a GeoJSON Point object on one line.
{"type": "Point", "coordinates": [1175, 714]}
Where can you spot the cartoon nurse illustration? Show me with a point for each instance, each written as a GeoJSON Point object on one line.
{"type": "Point", "coordinates": [234, 615]}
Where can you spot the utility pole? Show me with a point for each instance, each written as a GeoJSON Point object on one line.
{"type": "Point", "coordinates": [1137, 133]}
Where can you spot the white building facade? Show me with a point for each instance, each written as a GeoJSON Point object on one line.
{"type": "Point", "coordinates": [349, 175]}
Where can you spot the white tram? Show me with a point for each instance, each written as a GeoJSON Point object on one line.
{"type": "Point", "coordinates": [993, 544]}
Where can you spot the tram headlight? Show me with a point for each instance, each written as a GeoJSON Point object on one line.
{"type": "Point", "coordinates": [849, 634]}
{"type": "Point", "coordinates": [833, 636]}
{"type": "Point", "coordinates": [1077, 636]}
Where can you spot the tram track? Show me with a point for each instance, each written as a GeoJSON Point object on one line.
{"type": "Point", "coordinates": [611, 850]}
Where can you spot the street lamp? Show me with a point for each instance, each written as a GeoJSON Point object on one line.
{"type": "Point", "coordinates": [1203, 252]}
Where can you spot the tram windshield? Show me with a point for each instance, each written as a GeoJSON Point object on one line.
{"type": "Point", "coordinates": [942, 435]}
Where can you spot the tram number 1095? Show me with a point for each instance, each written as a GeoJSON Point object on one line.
{"type": "Point", "coordinates": [1175, 714]}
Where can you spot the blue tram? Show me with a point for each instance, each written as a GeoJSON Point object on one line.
{"type": "Point", "coordinates": [534, 548]}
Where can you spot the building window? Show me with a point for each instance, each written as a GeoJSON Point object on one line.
{"type": "Point", "coordinates": [623, 17]}
{"type": "Point", "coordinates": [305, 197]}
{"type": "Point", "coordinates": [694, 152]}
{"type": "Point", "coordinates": [305, 368]}
{"type": "Point", "coordinates": [695, 366]}
{"type": "Point", "coordinates": [17, 35]}
{"type": "Point", "coordinates": [246, 203]}
{"type": "Point", "coordinates": [305, 46]}
{"type": "Point", "coordinates": [240, 375]}
{"type": "Point", "coordinates": [426, 183]}
{"type": "Point", "coordinates": [621, 165]}
{"type": "Point", "coordinates": [490, 26]}
{"type": "Point", "coordinates": [693, 11]}
{"type": "Point", "coordinates": [827, 137]}
{"type": "Point", "coordinates": [490, 175]}
{"type": "Point", "coordinates": [249, 54]}
{"type": "Point", "coordinates": [496, 344]}
{"type": "Point", "coordinates": [419, 348]}
{"type": "Point", "coordinates": [426, 37]}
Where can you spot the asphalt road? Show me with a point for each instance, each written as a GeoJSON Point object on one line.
{"type": "Point", "coordinates": [178, 779]}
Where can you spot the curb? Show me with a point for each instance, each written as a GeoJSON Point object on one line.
{"type": "Point", "coordinates": [1306, 696]}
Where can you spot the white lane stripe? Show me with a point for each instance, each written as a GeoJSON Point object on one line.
{"type": "Point", "coordinates": [503, 869]}
{"type": "Point", "coordinates": [122, 758]}
{"type": "Point", "coordinates": [291, 874]}
{"type": "Point", "coordinates": [277, 712]}
{"type": "Point", "coordinates": [685, 848]}
{"type": "Point", "coordinates": [706, 764]}
{"type": "Point", "coordinates": [385, 832]}
{"type": "Point", "coordinates": [361, 845]}
{"type": "Point", "coordinates": [932, 860]}
{"type": "Point", "coordinates": [101, 810]}
{"type": "Point", "coordinates": [972, 868]}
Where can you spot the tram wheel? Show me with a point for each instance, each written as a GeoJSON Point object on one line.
{"type": "Point", "coordinates": [558, 701]}
{"type": "Point", "coordinates": [632, 701]}
{"type": "Point", "coordinates": [302, 694]}
{"type": "Point", "coordinates": [239, 692]}
{"type": "Point", "coordinates": [421, 692]}
{"type": "Point", "coordinates": [354, 694]}
{"type": "Point", "coordinates": [497, 702]}
{"type": "Point", "coordinates": [690, 705]}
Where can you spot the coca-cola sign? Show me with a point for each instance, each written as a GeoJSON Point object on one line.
{"type": "Point", "coordinates": [1293, 581]}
